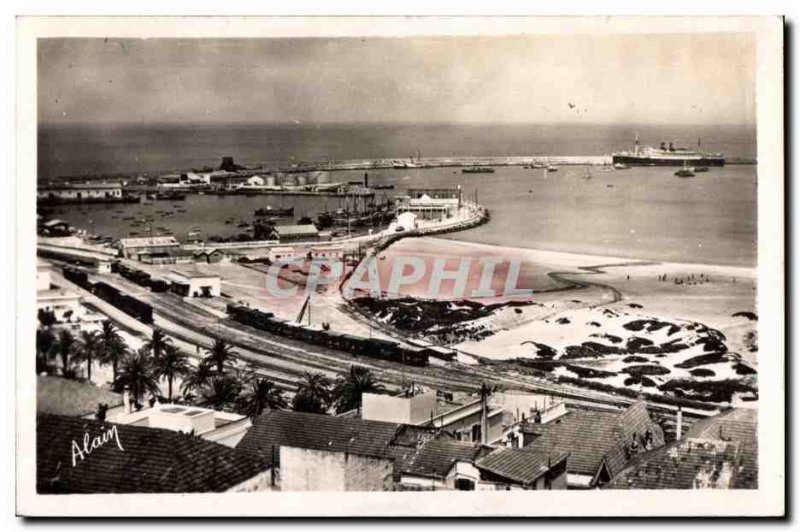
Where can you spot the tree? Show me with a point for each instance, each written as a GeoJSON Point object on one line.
{"type": "Point", "coordinates": [45, 340]}
{"type": "Point", "coordinates": [112, 348]}
{"type": "Point", "coordinates": [197, 379]}
{"type": "Point", "coordinates": [173, 363]}
{"type": "Point", "coordinates": [219, 355]}
{"type": "Point", "coordinates": [260, 395]}
{"type": "Point", "coordinates": [313, 394]}
{"type": "Point", "coordinates": [158, 342]}
{"type": "Point", "coordinates": [348, 391]}
{"type": "Point", "coordinates": [137, 374]}
{"type": "Point", "coordinates": [46, 317]}
{"type": "Point", "coordinates": [220, 393]}
{"type": "Point", "coordinates": [64, 349]}
{"type": "Point", "coordinates": [87, 349]}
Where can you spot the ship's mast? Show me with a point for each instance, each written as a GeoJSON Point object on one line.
{"type": "Point", "coordinates": [636, 144]}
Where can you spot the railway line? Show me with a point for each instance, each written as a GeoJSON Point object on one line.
{"type": "Point", "coordinates": [286, 360]}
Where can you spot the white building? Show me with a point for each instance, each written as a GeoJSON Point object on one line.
{"type": "Point", "coordinates": [81, 191]}
{"type": "Point", "coordinates": [219, 427]}
{"type": "Point", "coordinates": [430, 203]}
{"type": "Point", "coordinates": [195, 284]}
{"type": "Point", "coordinates": [43, 275]}
{"type": "Point", "coordinates": [407, 220]}
{"type": "Point", "coordinates": [281, 253]}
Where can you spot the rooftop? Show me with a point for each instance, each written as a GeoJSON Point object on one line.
{"type": "Point", "coordinates": [56, 395]}
{"type": "Point", "coordinates": [593, 437]}
{"type": "Point", "coordinates": [148, 241]}
{"type": "Point", "coordinates": [194, 274]}
{"type": "Point", "coordinates": [295, 230]}
{"type": "Point", "coordinates": [150, 461]}
{"type": "Point", "coordinates": [436, 457]}
{"type": "Point", "coordinates": [82, 186]}
{"type": "Point", "coordinates": [520, 465]}
{"type": "Point", "coordinates": [718, 452]}
{"type": "Point", "coordinates": [276, 428]}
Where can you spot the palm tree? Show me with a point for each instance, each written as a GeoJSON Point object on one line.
{"type": "Point", "coordinates": [197, 379]}
{"type": "Point", "coordinates": [348, 391]}
{"type": "Point", "coordinates": [261, 394]}
{"type": "Point", "coordinates": [137, 374]}
{"type": "Point", "coordinates": [173, 363]}
{"type": "Point", "coordinates": [87, 349]}
{"type": "Point", "coordinates": [313, 394]}
{"type": "Point", "coordinates": [45, 339]}
{"type": "Point", "coordinates": [112, 348]}
{"type": "Point", "coordinates": [220, 393]}
{"type": "Point", "coordinates": [219, 355]}
{"type": "Point", "coordinates": [64, 349]}
{"type": "Point", "coordinates": [158, 342]}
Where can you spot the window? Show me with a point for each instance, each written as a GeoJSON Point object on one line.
{"type": "Point", "coordinates": [465, 484]}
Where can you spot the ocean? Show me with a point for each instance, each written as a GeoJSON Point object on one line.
{"type": "Point", "coordinates": [644, 213]}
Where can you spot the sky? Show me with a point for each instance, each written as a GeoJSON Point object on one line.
{"type": "Point", "coordinates": [648, 79]}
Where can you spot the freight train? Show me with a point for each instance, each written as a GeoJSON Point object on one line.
{"type": "Point", "coordinates": [127, 304]}
{"type": "Point", "coordinates": [356, 345]}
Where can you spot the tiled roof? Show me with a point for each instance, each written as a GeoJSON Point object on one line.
{"type": "Point", "coordinates": [717, 452]}
{"type": "Point", "coordinates": [593, 438]}
{"type": "Point", "coordinates": [151, 460]}
{"type": "Point", "coordinates": [55, 395]}
{"type": "Point", "coordinates": [317, 431]}
{"type": "Point", "coordinates": [519, 465]}
{"type": "Point", "coordinates": [435, 457]}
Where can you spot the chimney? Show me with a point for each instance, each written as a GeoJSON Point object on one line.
{"type": "Point", "coordinates": [126, 401]}
{"type": "Point", "coordinates": [679, 424]}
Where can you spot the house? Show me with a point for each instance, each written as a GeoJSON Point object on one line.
{"type": "Point", "coordinates": [462, 419]}
{"type": "Point", "coordinates": [600, 443]}
{"type": "Point", "coordinates": [327, 252]}
{"type": "Point", "coordinates": [295, 233]}
{"type": "Point", "coordinates": [508, 468]}
{"type": "Point", "coordinates": [281, 253]}
{"type": "Point", "coordinates": [220, 427]}
{"type": "Point", "coordinates": [63, 303]}
{"type": "Point", "coordinates": [195, 283]}
{"type": "Point", "coordinates": [315, 452]}
{"type": "Point", "coordinates": [719, 452]}
{"type": "Point", "coordinates": [67, 397]}
{"type": "Point", "coordinates": [135, 459]}
{"type": "Point", "coordinates": [209, 255]}
{"type": "Point", "coordinates": [438, 464]}
{"type": "Point", "coordinates": [149, 247]}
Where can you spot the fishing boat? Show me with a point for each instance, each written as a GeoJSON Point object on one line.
{"type": "Point", "coordinates": [271, 211]}
{"type": "Point", "coordinates": [478, 170]}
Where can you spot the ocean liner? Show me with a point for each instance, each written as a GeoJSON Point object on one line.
{"type": "Point", "coordinates": [667, 156]}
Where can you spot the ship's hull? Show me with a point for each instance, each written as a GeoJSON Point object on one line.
{"type": "Point", "coordinates": [632, 160]}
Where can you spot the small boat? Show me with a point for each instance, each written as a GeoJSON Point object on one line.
{"type": "Point", "coordinates": [620, 166]}
{"type": "Point", "coordinates": [242, 224]}
{"type": "Point", "coordinates": [382, 187]}
{"type": "Point", "coordinates": [686, 171]}
{"type": "Point", "coordinates": [552, 168]}
{"type": "Point", "coordinates": [700, 169]}
{"type": "Point", "coordinates": [609, 186]}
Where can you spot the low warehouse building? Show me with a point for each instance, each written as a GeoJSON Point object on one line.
{"type": "Point", "coordinates": [195, 284]}
{"type": "Point", "coordinates": [149, 248]}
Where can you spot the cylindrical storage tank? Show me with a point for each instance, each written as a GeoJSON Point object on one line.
{"type": "Point", "coordinates": [288, 180]}
{"type": "Point", "coordinates": [270, 181]}
{"type": "Point", "coordinates": [323, 178]}
{"type": "Point", "coordinates": [302, 179]}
